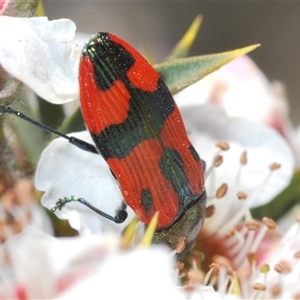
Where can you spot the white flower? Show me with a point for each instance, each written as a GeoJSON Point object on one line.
{"type": "Point", "coordinates": [41, 54]}
{"type": "Point", "coordinates": [255, 167]}
{"type": "Point", "coordinates": [64, 170]}
{"type": "Point", "coordinates": [129, 275]}
{"type": "Point", "coordinates": [243, 91]}
{"type": "Point", "coordinates": [282, 279]}
{"type": "Point", "coordinates": [42, 267]}
{"type": "Point", "coordinates": [207, 125]}
{"type": "Point", "coordinates": [19, 209]}
{"type": "Point", "coordinates": [267, 264]}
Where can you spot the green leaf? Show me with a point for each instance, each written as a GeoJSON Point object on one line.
{"type": "Point", "coordinates": [184, 45]}
{"type": "Point", "coordinates": [180, 73]}
{"type": "Point", "coordinates": [50, 114]}
{"type": "Point", "coordinates": [73, 123]}
{"type": "Point", "coordinates": [282, 203]}
{"type": "Point", "coordinates": [30, 139]}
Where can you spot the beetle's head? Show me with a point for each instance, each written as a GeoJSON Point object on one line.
{"type": "Point", "coordinates": [188, 226]}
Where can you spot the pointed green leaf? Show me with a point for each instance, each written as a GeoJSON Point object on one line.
{"type": "Point", "coordinates": [40, 9]}
{"type": "Point", "coordinates": [184, 45]}
{"type": "Point", "coordinates": [180, 73]}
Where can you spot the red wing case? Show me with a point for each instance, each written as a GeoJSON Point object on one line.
{"type": "Point", "coordinates": [138, 129]}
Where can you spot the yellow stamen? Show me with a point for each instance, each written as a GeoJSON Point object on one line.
{"type": "Point", "coordinates": [218, 160]}
{"type": "Point", "coordinates": [235, 285]}
{"type": "Point", "coordinates": [148, 236]}
{"type": "Point", "coordinates": [223, 145]}
{"type": "Point", "coordinates": [274, 166]}
{"type": "Point", "coordinates": [252, 259]}
{"type": "Point", "coordinates": [264, 268]}
{"type": "Point", "coordinates": [259, 287]}
{"type": "Point", "coordinates": [297, 254]}
{"type": "Point", "coordinates": [271, 224]}
{"type": "Point", "coordinates": [129, 233]}
{"type": "Point", "coordinates": [241, 195]}
{"type": "Point", "coordinates": [276, 290]}
{"type": "Point", "coordinates": [221, 191]}
{"type": "Point", "coordinates": [244, 158]}
{"type": "Point", "coordinates": [252, 224]}
{"type": "Point", "coordinates": [210, 210]}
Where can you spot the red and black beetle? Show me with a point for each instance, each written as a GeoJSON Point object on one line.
{"type": "Point", "coordinates": [137, 128]}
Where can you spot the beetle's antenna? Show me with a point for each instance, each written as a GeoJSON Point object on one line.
{"type": "Point", "coordinates": [73, 140]}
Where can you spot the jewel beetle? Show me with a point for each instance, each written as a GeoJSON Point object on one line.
{"type": "Point", "coordinates": [137, 128]}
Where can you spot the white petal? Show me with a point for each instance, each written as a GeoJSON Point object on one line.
{"type": "Point", "coordinates": [93, 267]}
{"type": "Point", "coordinates": [40, 219]}
{"type": "Point", "coordinates": [239, 87]}
{"type": "Point", "coordinates": [208, 293]}
{"type": "Point", "coordinates": [296, 138]}
{"type": "Point", "coordinates": [39, 261]}
{"type": "Point", "coordinates": [289, 281]}
{"type": "Point", "coordinates": [208, 124]}
{"type": "Point", "coordinates": [141, 274]}
{"type": "Point", "coordinates": [39, 53]}
{"type": "Point", "coordinates": [87, 175]}
{"type": "Point", "coordinates": [81, 39]}
{"type": "Point", "coordinates": [65, 170]}
{"type": "Point", "coordinates": [242, 90]}
{"type": "Point", "coordinates": [28, 251]}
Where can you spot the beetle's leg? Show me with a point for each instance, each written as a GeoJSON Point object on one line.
{"type": "Point", "coordinates": [120, 217]}
{"type": "Point", "coordinates": [73, 140]}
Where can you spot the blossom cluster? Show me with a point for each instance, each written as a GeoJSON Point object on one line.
{"type": "Point", "coordinates": [237, 121]}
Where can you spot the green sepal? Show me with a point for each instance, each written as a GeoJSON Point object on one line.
{"type": "Point", "coordinates": [40, 11]}
{"type": "Point", "coordinates": [180, 73]}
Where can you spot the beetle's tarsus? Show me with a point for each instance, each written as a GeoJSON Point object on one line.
{"type": "Point", "coordinates": [62, 202]}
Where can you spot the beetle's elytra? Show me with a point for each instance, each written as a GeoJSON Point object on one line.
{"type": "Point", "coordinates": [137, 127]}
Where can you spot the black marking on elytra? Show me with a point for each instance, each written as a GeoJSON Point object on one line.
{"type": "Point", "coordinates": [146, 200]}
{"type": "Point", "coordinates": [146, 118]}
{"type": "Point", "coordinates": [194, 153]}
{"type": "Point", "coordinates": [203, 164]}
{"type": "Point", "coordinates": [172, 168]}
{"type": "Point", "coordinates": [148, 110]}
{"type": "Point", "coordinates": [111, 60]}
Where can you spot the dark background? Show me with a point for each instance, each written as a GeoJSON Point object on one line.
{"type": "Point", "coordinates": [226, 26]}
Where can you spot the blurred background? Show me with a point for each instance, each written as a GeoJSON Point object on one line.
{"type": "Point", "coordinates": [226, 26]}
